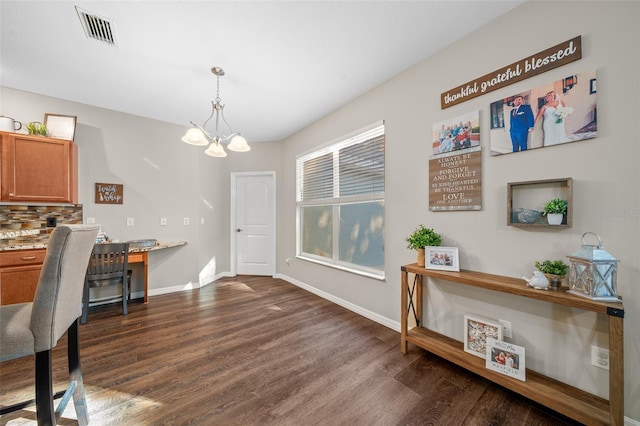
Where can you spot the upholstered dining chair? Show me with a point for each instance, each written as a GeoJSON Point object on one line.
{"type": "Point", "coordinates": [34, 328]}
{"type": "Point", "coordinates": [108, 266]}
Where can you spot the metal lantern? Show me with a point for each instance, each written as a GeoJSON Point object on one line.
{"type": "Point", "coordinates": [593, 272]}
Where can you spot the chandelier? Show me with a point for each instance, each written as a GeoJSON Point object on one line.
{"type": "Point", "coordinates": [198, 135]}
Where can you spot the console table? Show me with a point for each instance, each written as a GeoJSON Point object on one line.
{"type": "Point", "coordinates": [568, 400]}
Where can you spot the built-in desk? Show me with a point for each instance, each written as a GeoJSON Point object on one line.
{"type": "Point", "coordinates": [141, 255]}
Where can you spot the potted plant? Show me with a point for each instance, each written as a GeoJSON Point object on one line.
{"type": "Point", "coordinates": [35, 128]}
{"type": "Point", "coordinates": [555, 209]}
{"type": "Point", "coordinates": [420, 238]}
{"type": "Point", "coordinates": [554, 270]}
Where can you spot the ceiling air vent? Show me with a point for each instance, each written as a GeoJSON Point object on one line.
{"type": "Point", "coordinates": [97, 27]}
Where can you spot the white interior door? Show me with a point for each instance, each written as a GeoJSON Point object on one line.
{"type": "Point", "coordinates": [253, 223]}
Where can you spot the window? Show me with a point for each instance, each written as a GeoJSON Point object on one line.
{"type": "Point", "coordinates": [340, 203]}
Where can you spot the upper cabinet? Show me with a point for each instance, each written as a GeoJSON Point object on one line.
{"type": "Point", "coordinates": [38, 169]}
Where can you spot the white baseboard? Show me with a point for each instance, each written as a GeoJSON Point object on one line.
{"type": "Point", "coordinates": [185, 287]}
{"type": "Point", "coordinates": [387, 322]}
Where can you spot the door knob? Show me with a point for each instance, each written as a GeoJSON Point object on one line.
{"type": "Point", "coordinates": [238, 230]}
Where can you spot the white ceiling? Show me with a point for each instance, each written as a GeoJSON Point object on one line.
{"type": "Point", "coordinates": [287, 63]}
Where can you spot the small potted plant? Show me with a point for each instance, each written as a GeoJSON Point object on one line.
{"type": "Point", "coordinates": [555, 209]}
{"type": "Point", "coordinates": [554, 270]}
{"type": "Point", "coordinates": [420, 238]}
{"type": "Point", "coordinates": [35, 128]}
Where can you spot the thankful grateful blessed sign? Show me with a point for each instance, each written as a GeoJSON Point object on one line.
{"type": "Point", "coordinates": [553, 57]}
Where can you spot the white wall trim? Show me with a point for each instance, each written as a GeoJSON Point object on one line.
{"type": "Point", "coordinates": [387, 322]}
{"type": "Point", "coordinates": [185, 287]}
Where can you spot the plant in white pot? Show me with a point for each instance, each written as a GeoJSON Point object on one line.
{"type": "Point", "coordinates": [555, 210]}
{"type": "Point", "coordinates": [420, 238]}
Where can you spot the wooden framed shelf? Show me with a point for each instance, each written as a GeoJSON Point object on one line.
{"type": "Point", "coordinates": [561, 397]}
{"type": "Point", "coordinates": [533, 195]}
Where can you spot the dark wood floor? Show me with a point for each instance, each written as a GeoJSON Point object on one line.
{"type": "Point", "coordinates": [256, 351]}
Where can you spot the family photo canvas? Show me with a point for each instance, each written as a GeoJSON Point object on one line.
{"type": "Point", "coordinates": [556, 113]}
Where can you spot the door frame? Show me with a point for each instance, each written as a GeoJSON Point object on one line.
{"type": "Point", "coordinates": [233, 235]}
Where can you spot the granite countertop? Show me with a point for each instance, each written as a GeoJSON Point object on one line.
{"type": "Point", "coordinates": [24, 247]}
{"type": "Point", "coordinates": [158, 246]}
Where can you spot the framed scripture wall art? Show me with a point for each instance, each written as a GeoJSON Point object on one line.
{"type": "Point", "coordinates": [60, 126]}
{"type": "Point", "coordinates": [443, 258]}
{"type": "Point", "coordinates": [476, 331]}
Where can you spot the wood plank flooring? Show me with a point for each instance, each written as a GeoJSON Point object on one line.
{"type": "Point", "coordinates": [260, 351]}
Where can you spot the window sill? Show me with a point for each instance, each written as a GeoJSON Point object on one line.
{"type": "Point", "coordinates": [376, 276]}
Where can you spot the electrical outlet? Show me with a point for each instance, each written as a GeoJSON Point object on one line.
{"type": "Point", "coordinates": [163, 221]}
{"type": "Point", "coordinates": [186, 221]}
{"type": "Point", "coordinates": [91, 220]}
{"type": "Point", "coordinates": [288, 261]}
{"type": "Point", "coordinates": [130, 221]}
{"type": "Point", "coordinates": [202, 221]}
{"type": "Point", "coordinates": [506, 328]}
{"type": "Point", "coordinates": [600, 357]}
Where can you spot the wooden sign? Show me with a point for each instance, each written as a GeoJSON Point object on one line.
{"type": "Point", "coordinates": [109, 193]}
{"type": "Point", "coordinates": [553, 57]}
{"type": "Point", "coordinates": [455, 181]}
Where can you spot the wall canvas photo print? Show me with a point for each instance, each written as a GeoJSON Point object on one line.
{"type": "Point", "coordinates": [458, 134]}
{"type": "Point", "coordinates": [556, 113]}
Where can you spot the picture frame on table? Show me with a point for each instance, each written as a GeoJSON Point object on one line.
{"type": "Point", "coordinates": [506, 358]}
{"type": "Point", "coordinates": [442, 258]}
{"type": "Point", "coordinates": [60, 126]}
{"type": "Point", "coordinates": [477, 330]}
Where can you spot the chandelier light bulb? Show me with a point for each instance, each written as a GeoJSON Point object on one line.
{"type": "Point", "coordinates": [239, 144]}
{"type": "Point", "coordinates": [216, 150]}
{"type": "Point", "coordinates": [194, 136]}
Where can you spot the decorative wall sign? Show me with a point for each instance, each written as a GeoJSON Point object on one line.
{"type": "Point", "coordinates": [455, 181]}
{"type": "Point", "coordinates": [556, 113]}
{"type": "Point", "coordinates": [457, 134]}
{"type": "Point", "coordinates": [561, 54]}
{"type": "Point", "coordinates": [109, 193]}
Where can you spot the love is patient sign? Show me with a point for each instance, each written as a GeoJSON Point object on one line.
{"type": "Point", "coordinates": [109, 193]}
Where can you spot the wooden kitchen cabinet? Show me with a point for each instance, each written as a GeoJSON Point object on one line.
{"type": "Point", "coordinates": [38, 169]}
{"type": "Point", "coordinates": [19, 275]}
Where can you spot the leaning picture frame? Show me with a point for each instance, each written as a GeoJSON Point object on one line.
{"type": "Point", "coordinates": [442, 258]}
{"type": "Point", "coordinates": [476, 331]}
{"type": "Point", "coordinates": [506, 358]}
{"type": "Point", "coordinates": [60, 126]}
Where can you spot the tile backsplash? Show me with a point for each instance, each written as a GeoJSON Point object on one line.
{"type": "Point", "coordinates": [25, 225]}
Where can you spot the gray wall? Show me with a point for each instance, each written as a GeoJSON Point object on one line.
{"type": "Point", "coordinates": [164, 177]}
{"type": "Point", "coordinates": [605, 171]}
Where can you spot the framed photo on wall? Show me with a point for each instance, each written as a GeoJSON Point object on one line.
{"type": "Point", "coordinates": [556, 113]}
{"type": "Point", "coordinates": [60, 126]}
{"type": "Point", "coordinates": [476, 331]}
